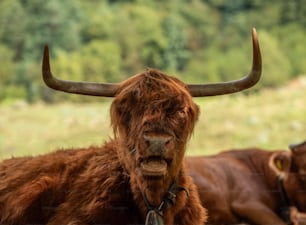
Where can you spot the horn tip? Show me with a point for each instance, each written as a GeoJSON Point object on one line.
{"type": "Point", "coordinates": [254, 33]}
{"type": "Point", "coordinates": [45, 61]}
{"type": "Point", "coordinates": [46, 49]}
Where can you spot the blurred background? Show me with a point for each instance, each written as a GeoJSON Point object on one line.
{"type": "Point", "coordinates": [108, 41]}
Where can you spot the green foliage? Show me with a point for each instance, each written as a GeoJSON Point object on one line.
{"type": "Point", "coordinates": [292, 38]}
{"type": "Point", "coordinates": [276, 65]}
{"type": "Point", "coordinates": [200, 41]}
{"type": "Point", "coordinates": [101, 60]}
{"type": "Point", "coordinates": [13, 28]}
{"type": "Point", "coordinates": [7, 68]}
{"type": "Point", "coordinates": [28, 77]}
{"type": "Point", "coordinates": [141, 38]}
{"type": "Point", "coordinates": [11, 93]}
{"type": "Point", "coordinates": [100, 22]}
{"type": "Point", "coordinates": [27, 25]}
{"type": "Point", "coordinates": [175, 53]}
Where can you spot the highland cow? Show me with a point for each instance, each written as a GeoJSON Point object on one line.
{"type": "Point", "coordinates": [252, 186]}
{"type": "Point", "coordinates": [138, 177]}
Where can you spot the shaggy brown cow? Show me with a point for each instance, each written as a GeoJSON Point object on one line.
{"type": "Point", "coordinates": [252, 186]}
{"type": "Point", "coordinates": [136, 178]}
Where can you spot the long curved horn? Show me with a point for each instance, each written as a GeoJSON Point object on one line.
{"type": "Point", "coordinates": [201, 90]}
{"type": "Point", "coordinates": [84, 88]}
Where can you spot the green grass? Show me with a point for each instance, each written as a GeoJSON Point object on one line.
{"type": "Point", "coordinates": [270, 119]}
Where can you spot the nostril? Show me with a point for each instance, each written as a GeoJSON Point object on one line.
{"type": "Point", "coordinates": [148, 143]}
{"type": "Point", "coordinates": [147, 139]}
{"type": "Point", "coordinates": [159, 140]}
{"type": "Point", "coordinates": [167, 140]}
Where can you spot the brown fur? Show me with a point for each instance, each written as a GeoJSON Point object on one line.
{"type": "Point", "coordinates": [239, 186]}
{"type": "Point", "coordinates": [297, 217]}
{"type": "Point", "coordinates": [104, 185]}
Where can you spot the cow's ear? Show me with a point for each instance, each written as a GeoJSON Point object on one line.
{"type": "Point", "coordinates": [280, 162]}
{"type": "Point", "coordinates": [298, 148]}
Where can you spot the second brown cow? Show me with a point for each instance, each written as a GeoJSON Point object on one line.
{"type": "Point", "coordinates": [251, 186]}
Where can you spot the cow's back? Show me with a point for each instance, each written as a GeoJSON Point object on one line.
{"type": "Point", "coordinates": [228, 177]}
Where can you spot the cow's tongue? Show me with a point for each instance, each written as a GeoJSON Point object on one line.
{"type": "Point", "coordinates": [154, 167]}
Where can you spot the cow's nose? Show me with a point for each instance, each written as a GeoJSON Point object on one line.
{"type": "Point", "coordinates": [157, 144]}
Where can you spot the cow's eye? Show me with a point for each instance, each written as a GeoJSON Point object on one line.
{"type": "Point", "coordinates": [181, 112]}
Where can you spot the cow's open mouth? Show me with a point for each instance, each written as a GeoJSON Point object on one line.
{"type": "Point", "coordinates": [154, 166]}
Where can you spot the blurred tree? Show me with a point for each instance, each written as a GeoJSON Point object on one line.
{"type": "Point", "coordinates": [176, 54]}
{"type": "Point", "coordinates": [293, 11]}
{"type": "Point", "coordinates": [201, 24]}
{"type": "Point", "coordinates": [8, 66]}
{"type": "Point", "coordinates": [140, 36]}
{"type": "Point", "coordinates": [276, 65]}
{"type": "Point", "coordinates": [13, 20]}
{"type": "Point", "coordinates": [292, 38]}
{"type": "Point", "coordinates": [206, 40]}
{"type": "Point", "coordinates": [229, 63]}
{"type": "Point", "coordinates": [101, 61]}
{"type": "Point", "coordinates": [55, 22]}
{"type": "Point", "coordinates": [100, 22]}
{"type": "Point", "coordinates": [29, 76]}
{"type": "Point", "coordinates": [7, 70]}
{"type": "Point", "coordinates": [28, 25]}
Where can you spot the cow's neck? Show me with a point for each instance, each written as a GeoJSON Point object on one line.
{"type": "Point", "coordinates": [276, 184]}
{"type": "Point", "coordinates": [151, 193]}
{"type": "Point", "coordinates": [155, 190]}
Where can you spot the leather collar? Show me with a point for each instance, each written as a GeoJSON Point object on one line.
{"type": "Point", "coordinates": [155, 213]}
{"type": "Point", "coordinates": [284, 209]}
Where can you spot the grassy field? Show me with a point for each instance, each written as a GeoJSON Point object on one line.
{"type": "Point", "coordinates": [270, 119]}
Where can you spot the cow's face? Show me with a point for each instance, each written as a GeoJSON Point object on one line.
{"type": "Point", "coordinates": [153, 115]}
{"type": "Point", "coordinates": [292, 165]}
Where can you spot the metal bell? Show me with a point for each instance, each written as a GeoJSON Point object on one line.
{"type": "Point", "coordinates": [154, 218]}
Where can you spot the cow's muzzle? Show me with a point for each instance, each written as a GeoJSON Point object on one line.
{"type": "Point", "coordinates": [157, 145]}
{"type": "Point", "coordinates": [155, 162]}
